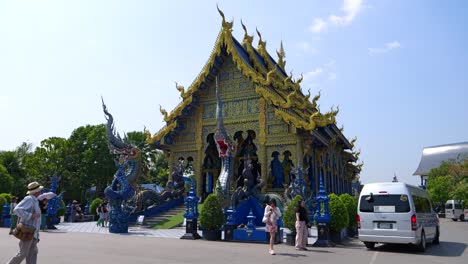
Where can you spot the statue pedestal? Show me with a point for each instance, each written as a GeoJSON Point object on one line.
{"type": "Point", "coordinates": [191, 230]}
{"type": "Point", "coordinates": [229, 232]}
{"type": "Point", "coordinates": [323, 236]}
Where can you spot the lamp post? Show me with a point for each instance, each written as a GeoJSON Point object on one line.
{"type": "Point", "coordinates": [230, 223]}
{"type": "Point", "coordinates": [191, 214]}
{"type": "Point", "coordinates": [322, 216]}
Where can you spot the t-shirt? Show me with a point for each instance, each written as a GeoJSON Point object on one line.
{"type": "Point", "coordinates": [302, 214]}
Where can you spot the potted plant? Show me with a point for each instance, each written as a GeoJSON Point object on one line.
{"type": "Point", "coordinates": [339, 217]}
{"type": "Point", "coordinates": [212, 218]}
{"type": "Point", "coordinates": [351, 205]}
{"type": "Point", "coordinates": [289, 220]}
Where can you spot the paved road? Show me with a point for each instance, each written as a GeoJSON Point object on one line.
{"type": "Point", "coordinates": [67, 247]}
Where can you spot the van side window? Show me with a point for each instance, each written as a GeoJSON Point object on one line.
{"type": "Point", "coordinates": [421, 204]}
{"type": "Point", "coordinates": [458, 206]}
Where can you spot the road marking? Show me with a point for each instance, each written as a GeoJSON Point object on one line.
{"type": "Point", "coordinates": [374, 257]}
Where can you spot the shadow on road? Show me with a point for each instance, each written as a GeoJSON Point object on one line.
{"type": "Point", "coordinates": [444, 249]}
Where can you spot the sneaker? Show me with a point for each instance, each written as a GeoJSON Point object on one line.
{"type": "Point", "coordinates": [272, 252]}
{"type": "Point", "coordinates": [304, 249]}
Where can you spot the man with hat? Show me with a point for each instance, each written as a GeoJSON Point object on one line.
{"type": "Point", "coordinates": [29, 213]}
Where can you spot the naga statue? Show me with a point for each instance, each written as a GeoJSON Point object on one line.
{"type": "Point", "coordinates": [123, 186]}
{"type": "Point", "coordinates": [53, 204]}
{"type": "Point", "coordinates": [175, 188]}
{"type": "Point", "coordinates": [226, 148]}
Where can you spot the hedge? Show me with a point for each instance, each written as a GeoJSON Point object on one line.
{"type": "Point", "coordinates": [338, 213]}
{"type": "Point", "coordinates": [212, 216]}
{"type": "Point", "coordinates": [351, 205]}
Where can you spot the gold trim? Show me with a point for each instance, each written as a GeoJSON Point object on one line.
{"type": "Point", "coordinates": [262, 121]}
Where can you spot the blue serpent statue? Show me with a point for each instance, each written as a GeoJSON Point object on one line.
{"type": "Point", "coordinates": [226, 147]}
{"type": "Point", "coordinates": [54, 204]}
{"type": "Point", "coordinates": [123, 186]}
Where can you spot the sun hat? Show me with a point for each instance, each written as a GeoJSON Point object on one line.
{"type": "Point", "coordinates": [34, 187]}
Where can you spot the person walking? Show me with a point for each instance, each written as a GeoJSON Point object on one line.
{"type": "Point", "coordinates": [102, 212]}
{"type": "Point", "coordinates": [14, 217]}
{"type": "Point", "coordinates": [301, 226]}
{"type": "Point", "coordinates": [43, 205]}
{"type": "Point", "coordinates": [29, 214]}
{"type": "Point", "coordinates": [270, 218]}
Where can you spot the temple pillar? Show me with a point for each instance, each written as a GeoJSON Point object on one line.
{"type": "Point", "coordinates": [299, 149]}
{"type": "Point", "coordinates": [263, 157]}
{"type": "Point", "coordinates": [199, 145]}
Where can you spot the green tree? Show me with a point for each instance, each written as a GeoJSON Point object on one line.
{"type": "Point", "coordinates": [439, 188]}
{"type": "Point", "coordinates": [6, 181]}
{"type": "Point", "coordinates": [89, 160]}
{"type": "Point", "coordinates": [15, 170]}
{"type": "Point", "coordinates": [449, 181]}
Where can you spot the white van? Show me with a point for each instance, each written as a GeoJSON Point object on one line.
{"type": "Point", "coordinates": [396, 212]}
{"type": "Point", "coordinates": [454, 210]}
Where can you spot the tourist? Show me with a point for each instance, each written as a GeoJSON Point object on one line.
{"type": "Point", "coordinates": [29, 214]}
{"type": "Point", "coordinates": [102, 212]}
{"type": "Point", "coordinates": [301, 226]}
{"type": "Point", "coordinates": [14, 217]}
{"type": "Point", "coordinates": [77, 213]}
{"type": "Point", "coordinates": [108, 208]}
{"type": "Point", "coordinates": [270, 218]}
{"type": "Point", "coordinates": [43, 206]}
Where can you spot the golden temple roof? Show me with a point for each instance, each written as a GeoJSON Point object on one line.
{"type": "Point", "coordinates": [269, 77]}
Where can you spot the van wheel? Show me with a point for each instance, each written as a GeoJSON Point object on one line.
{"type": "Point", "coordinates": [462, 217]}
{"type": "Point", "coordinates": [436, 238]}
{"type": "Point", "coordinates": [369, 245]}
{"type": "Point", "coordinates": [422, 243]}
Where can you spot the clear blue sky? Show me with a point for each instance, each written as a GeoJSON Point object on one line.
{"type": "Point", "coordinates": [397, 69]}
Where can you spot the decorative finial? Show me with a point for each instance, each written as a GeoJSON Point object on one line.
{"type": "Point", "coordinates": [164, 113]}
{"type": "Point", "coordinates": [261, 43]}
{"type": "Point", "coordinates": [315, 99]}
{"type": "Point", "coordinates": [281, 56]}
{"type": "Point", "coordinates": [226, 25]}
{"type": "Point", "coordinates": [247, 38]}
{"type": "Point", "coordinates": [300, 79]}
{"type": "Point", "coordinates": [342, 128]}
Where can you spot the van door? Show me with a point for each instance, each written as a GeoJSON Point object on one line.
{"type": "Point", "coordinates": [425, 217]}
{"type": "Point", "coordinates": [385, 214]}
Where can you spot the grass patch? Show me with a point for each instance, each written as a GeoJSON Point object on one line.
{"type": "Point", "coordinates": [174, 221]}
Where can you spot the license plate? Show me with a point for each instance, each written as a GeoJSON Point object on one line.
{"type": "Point", "coordinates": [385, 225]}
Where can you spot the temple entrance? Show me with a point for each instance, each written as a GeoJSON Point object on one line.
{"type": "Point", "coordinates": [245, 150]}
{"type": "Point", "coordinates": [211, 166]}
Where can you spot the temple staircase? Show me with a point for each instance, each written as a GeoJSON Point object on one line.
{"type": "Point", "coordinates": [153, 220]}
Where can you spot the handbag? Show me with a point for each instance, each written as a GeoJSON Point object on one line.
{"type": "Point", "coordinates": [24, 232]}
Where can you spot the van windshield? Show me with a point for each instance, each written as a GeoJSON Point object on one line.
{"type": "Point", "coordinates": [448, 206]}
{"type": "Point", "coordinates": [394, 203]}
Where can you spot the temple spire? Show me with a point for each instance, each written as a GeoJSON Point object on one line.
{"type": "Point", "coordinates": [281, 56]}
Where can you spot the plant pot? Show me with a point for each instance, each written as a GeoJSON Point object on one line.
{"type": "Point", "coordinates": [291, 239]}
{"type": "Point", "coordinates": [211, 235]}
